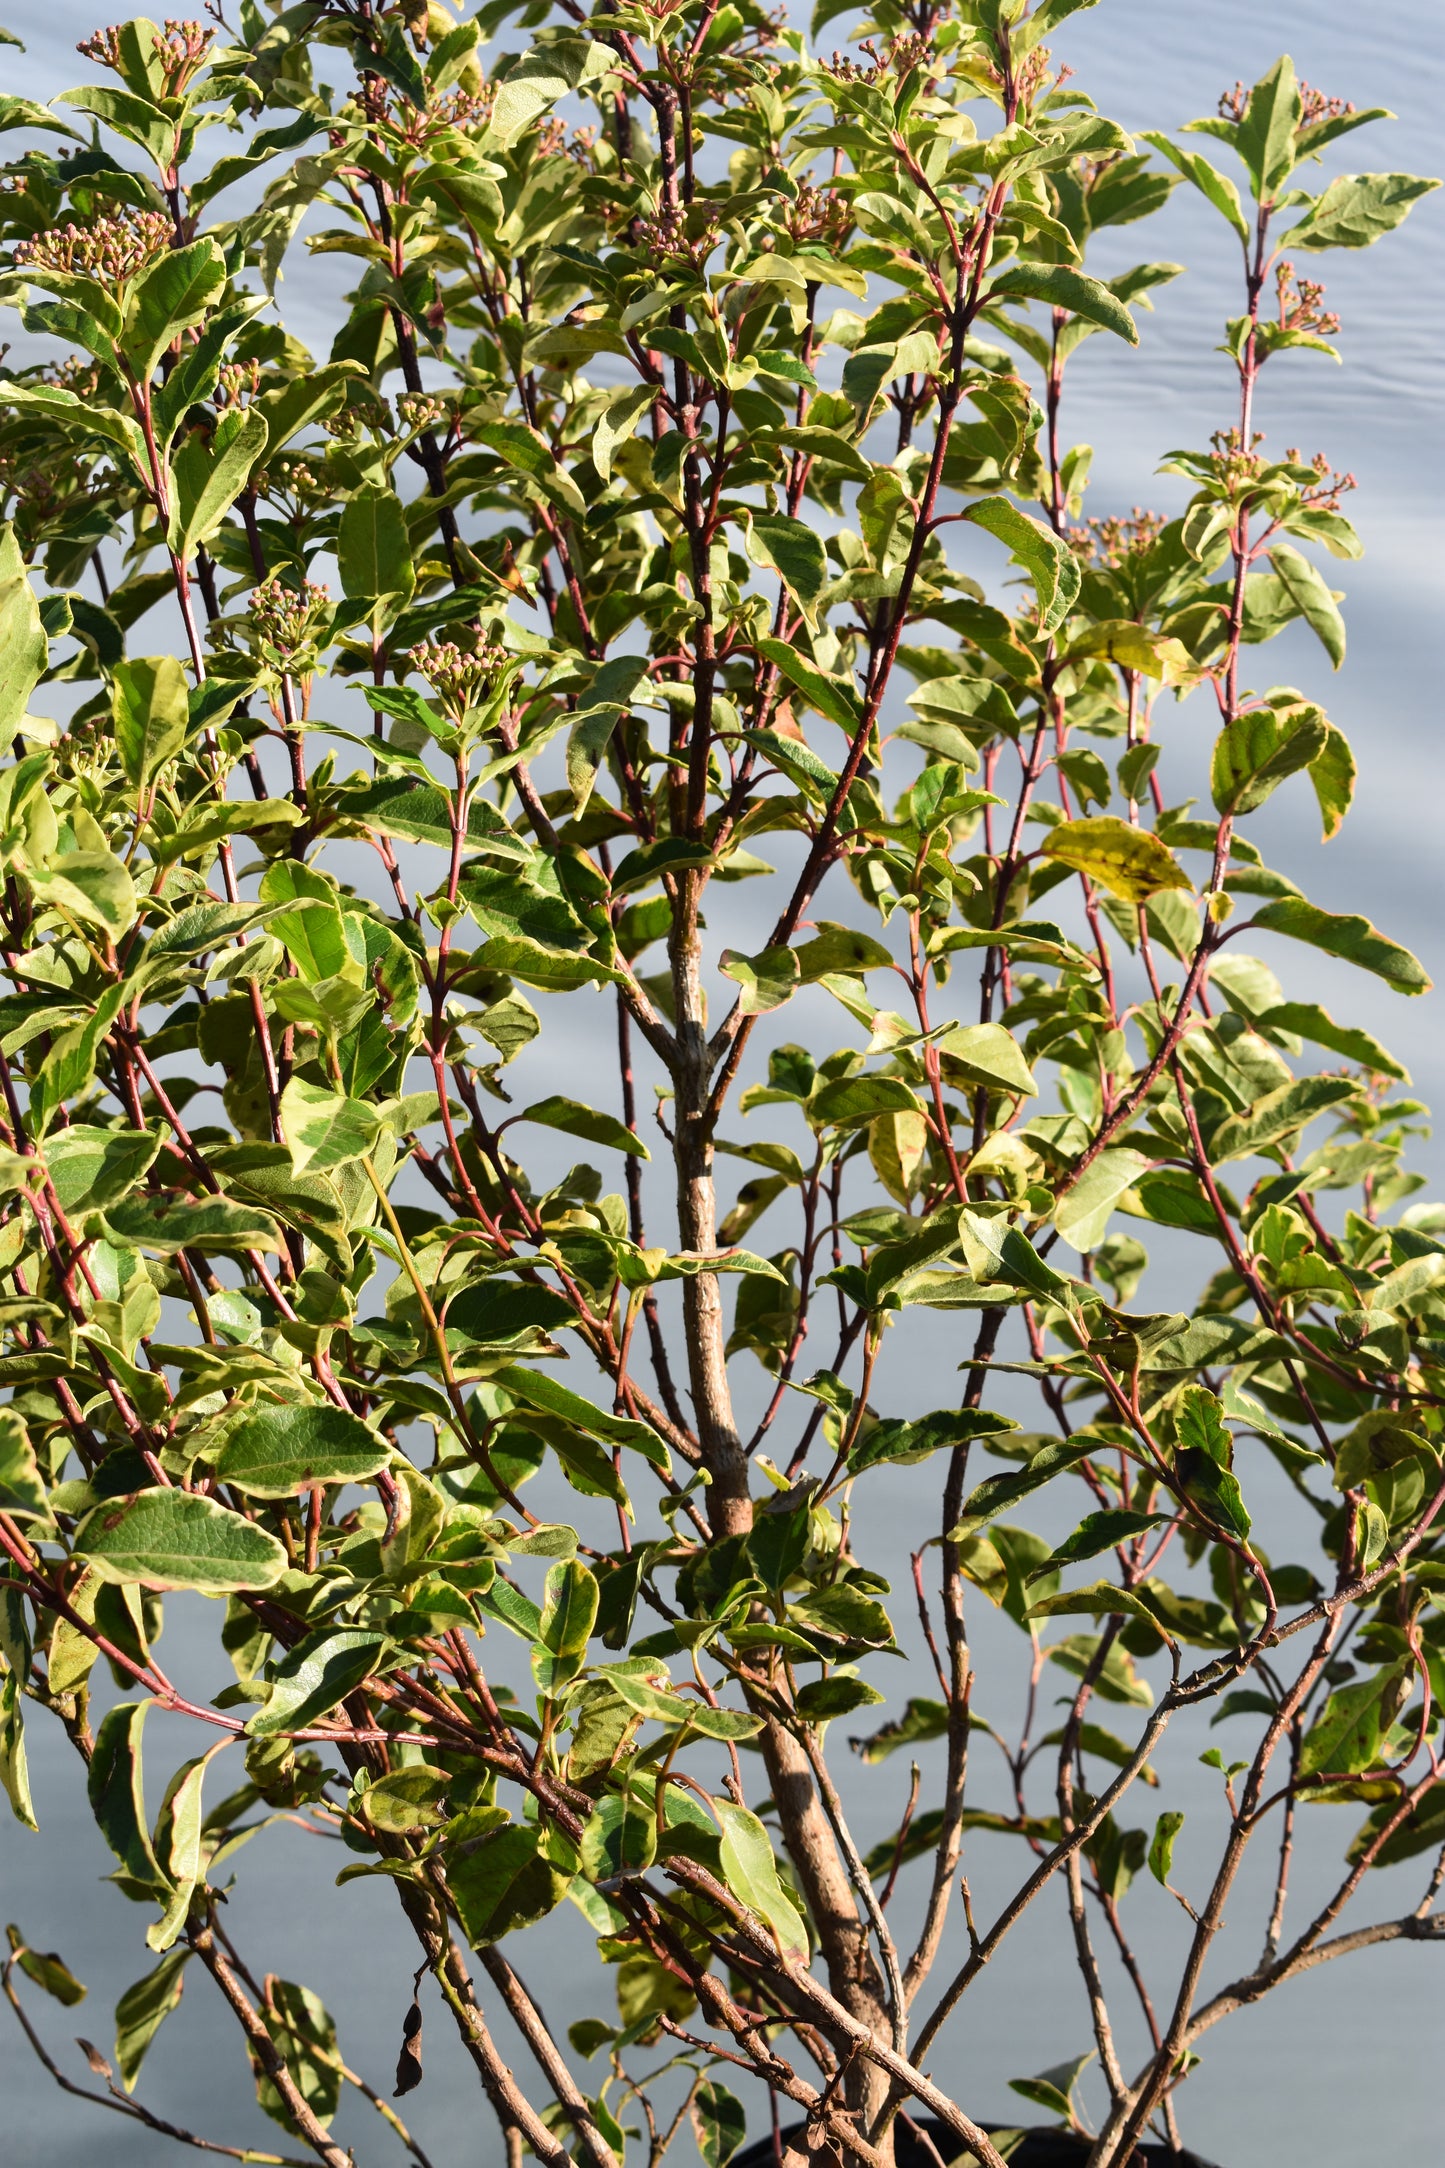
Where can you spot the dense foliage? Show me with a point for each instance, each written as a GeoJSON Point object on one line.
{"type": "Point", "coordinates": [616, 524]}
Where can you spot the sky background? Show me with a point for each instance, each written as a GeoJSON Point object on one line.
{"type": "Point", "coordinates": [1336, 2068]}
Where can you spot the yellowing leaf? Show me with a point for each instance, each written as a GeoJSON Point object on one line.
{"type": "Point", "coordinates": [1130, 862]}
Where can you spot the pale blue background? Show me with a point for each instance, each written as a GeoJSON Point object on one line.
{"type": "Point", "coordinates": [1337, 2069]}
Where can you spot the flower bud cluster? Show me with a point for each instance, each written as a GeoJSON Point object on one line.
{"type": "Point", "coordinates": [1316, 105]}
{"type": "Point", "coordinates": [112, 251]}
{"type": "Point", "coordinates": [422, 410]}
{"type": "Point", "coordinates": [1108, 542]}
{"type": "Point", "coordinates": [553, 141]}
{"type": "Point", "coordinates": [182, 50]}
{"type": "Point", "coordinates": [287, 619]}
{"type": "Point", "coordinates": [103, 47]}
{"type": "Point", "coordinates": [463, 108]}
{"type": "Point", "coordinates": [667, 241]}
{"type": "Point", "coordinates": [818, 214]}
{"type": "Point", "coordinates": [1324, 494]}
{"type": "Point", "coordinates": [1299, 304]}
{"type": "Point", "coordinates": [238, 382]}
{"type": "Point", "coordinates": [460, 677]}
{"type": "Point", "coordinates": [1236, 461]}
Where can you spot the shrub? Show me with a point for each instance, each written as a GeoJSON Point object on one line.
{"type": "Point", "coordinates": [623, 522]}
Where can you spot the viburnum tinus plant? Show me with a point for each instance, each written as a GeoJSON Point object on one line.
{"type": "Point", "coordinates": [607, 548]}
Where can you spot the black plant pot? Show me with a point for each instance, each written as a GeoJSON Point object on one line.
{"type": "Point", "coordinates": [1047, 2148]}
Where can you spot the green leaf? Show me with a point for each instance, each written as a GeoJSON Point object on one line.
{"type": "Point", "coordinates": [14, 1771]}
{"type": "Point", "coordinates": [1100, 1599]}
{"type": "Point", "coordinates": [986, 1054]}
{"type": "Point", "coordinates": [792, 550]}
{"type": "Point", "coordinates": [1423, 1830]}
{"type": "Point", "coordinates": [537, 81]}
{"type": "Point", "coordinates": [25, 113]}
{"type": "Point", "coordinates": [279, 1450]}
{"type": "Point", "coordinates": [177, 1539]}
{"type": "Point", "coordinates": [22, 1488]}
{"type": "Point", "coordinates": [210, 475]}
{"type": "Point", "coordinates": [1346, 1736]}
{"type": "Point", "coordinates": [1256, 751]}
{"type": "Point", "coordinates": [1054, 2089]}
{"type": "Point", "coordinates": [1265, 136]}
{"type": "Point", "coordinates": [507, 904]}
{"type": "Point", "coordinates": [604, 704]}
{"type": "Point", "coordinates": [373, 549]}
{"type": "Point", "coordinates": [321, 942]}
{"type": "Point", "coordinates": [830, 696]}
{"type": "Point", "coordinates": [569, 1612]}
{"type": "Point", "coordinates": [528, 451]}
{"type": "Point", "coordinates": [1161, 1847]}
{"type": "Point", "coordinates": [401, 805]}
{"type": "Point", "coordinates": [325, 1129]}
{"type": "Point", "coordinates": [1201, 1426]}
{"type": "Point", "coordinates": [47, 1969]}
{"type": "Point", "coordinates": [619, 418]}
{"type": "Point", "coordinates": [93, 886]}
{"type": "Point", "coordinates": [310, 1203]}
{"type": "Point", "coordinates": [167, 1225]}
{"type": "Point", "coordinates": [751, 1873]}
{"type": "Point", "coordinates": [767, 981]}
{"type": "Point", "coordinates": [852, 1100]}
{"type": "Point", "coordinates": [150, 710]}
{"type": "Point", "coordinates": [178, 1832]}
{"type": "Point", "coordinates": [1133, 647]}
{"type": "Point", "coordinates": [921, 1720]}
{"type": "Point", "coordinates": [1214, 186]}
{"type": "Point", "coordinates": [305, 2033]}
{"type": "Point", "coordinates": [411, 1798]}
{"type": "Point", "coordinates": [1130, 862]}
{"type": "Point", "coordinates": [143, 2009]}
{"type": "Point", "coordinates": [174, 292]}
{"type": "Point", "coordinates": [1333, 774]}
{"type": "Point", "coordinates": [1118, 1681]}
{"type": "Point", "coordinates": [317, 1674]}
{"type": "Point", "coordinates": [192, 933]}
{"type": "Point", "coordinates": [620, 1837]}
{"type": "Point", "coordinates": [823, 1699]}
{"type": "Point", "coordinates": [68, 1070]}
{"type": "Point", "coordinates": [1096, 1532]}
{"type": "Point", "coordinates": [1314, 600]}
{"type": "Point", "coordinates": [500, 1879]}
{"type": "Point", "coordinates": [815, 443]}
{"type": "Point", "coordinates": [92, 1169]}
{"type": "Point", "coordinates": [539, 1391]}
{"type": "Point", "coordinates": [1278, 1115]}
{"type": "Point", "coordinates": [1347, 936]}
{"type": "Point", "coordinates": [997, 1493]}
{"type": "Point", "coordinates": [687, 1264]}
{"type": "Point", "coordinates": [304, 400]}
{"type": "Point", "coordinates": [896, 1442]}
{"type": "Point", "coordinates": [719, 2122]}
{"type": "Point", "coordinates": [1309, 1021]}
{"type": "Point", "coordinates": [1082, 1214]}
{"type": "Point", "coordinates": [1356, 208]}
{"type": "Point", "coordinates": [575, 1120]}
{"type": "Point", "coordinates": [1049, 562]}
{"type": "Point", "coordinates": [1210, 1485]}
{"type": "Point", "coordinates": [115, 1786]}
{"type": "Point", "coordinates": [24, 649]}
{"type": "Point", "coordinates": [1063, 288]}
